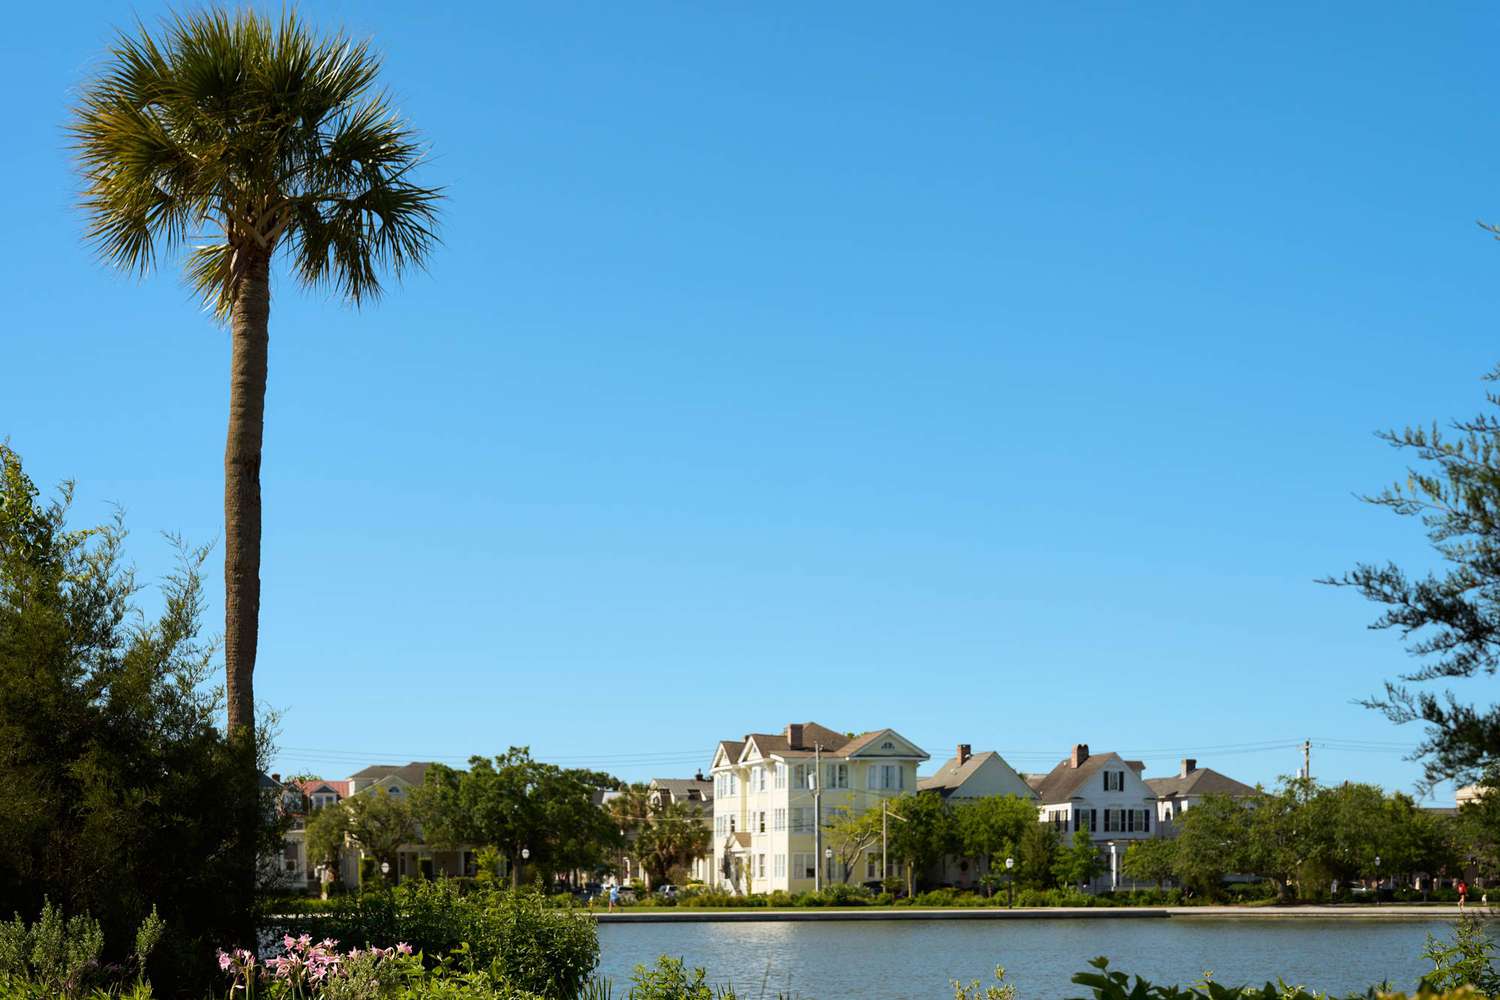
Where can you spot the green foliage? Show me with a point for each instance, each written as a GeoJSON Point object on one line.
{"type": "Point", "coordinates": [850, 833]}
{"type": "Point", "coordinates": [1107, 985]}
{"type": "Point", "coordinates": [1450, 622]}
{"type": "Point", "coordinates": [1077, 863]}
{"type": "Point", "coordinates": [670, 980]}
{"type": "Point", "coordinates": [1212, 841]}
{"type": "Point", "coordinates": [1034, 856]}
{"type": "Point", "coordinates": [274, 139]}
{"type": "Point", "coordinates": [992, 828]}
{"type": "Point", "coordinates": [325, 833]}
{"type": "Point", "coordinates": [120, 788]}
{"type": "Point", "coordinates": [511, 934]}
{"type": "Point", "coordinates": [927, 835]}
{"type": "Point", "coordinates": [1468, 959]}
{"type": "Point", "coordinates": [513, 803]}
{"type": "Point", "coordinates": [1000, 990]}
{"type": "Point", "coordinates": [377, 821]}
{"type": "Point", "coordinates": [58, 956]}
{"type": "Point", "coordinates": [672, 835]}
{"type": "Point", "coordinates": [1150, 861]}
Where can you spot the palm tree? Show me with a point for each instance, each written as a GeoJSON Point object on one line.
{"type": "Point", "coordinates": [247, 138]}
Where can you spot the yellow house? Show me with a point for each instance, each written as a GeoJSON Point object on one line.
{"type": "Point", "coordinates": [772, 792]}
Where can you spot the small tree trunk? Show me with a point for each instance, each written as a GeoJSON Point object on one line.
{"type": "Point", "coordinates": [249, 334]}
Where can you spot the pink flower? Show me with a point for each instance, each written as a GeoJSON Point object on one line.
{"type": "Point", "coordinates": [402, 948]}
{"type": "Point", "coordinates": [224, 961]}
{"type": "Point", "coordinates": [288, 942]}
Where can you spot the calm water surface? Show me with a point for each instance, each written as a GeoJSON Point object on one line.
{"type": "Point", "coordinates": [914, 960]}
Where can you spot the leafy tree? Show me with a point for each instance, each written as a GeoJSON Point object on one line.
{"type": "Point", "coordinates": [850, 834]}
{"type": "Point", "coordinates": [325, 833]}
{"type": "Point", "coordinates": [1277, 845]}
{"type": "Point", "coordinates": [380, 823]}
{"type": "Point", "coordinates": [991, 827]}
{"type": "Point", "coordinates": [117, 775]}
{"type": "Point", "coordinates": [1078, 863]}
{"type": "Point", "coordinates": [927, 836]}
{"type": "Point", "coordinates": [514, 803]}
{"type": "Point", "coordinates": [1034, 855]}
{"type": "Point", "coordinates": [673, 836]}
{"type": "Point", "coordinates": [1212, 841]}
{"type": "Point", "coordinates": [1151, 861]}
{"type": "Point", "coordinates": [1476, 833]}
{"type": "Point", "coordinates": [1449, 621]}
{"type": "Point", "coordinates": [267, 140]}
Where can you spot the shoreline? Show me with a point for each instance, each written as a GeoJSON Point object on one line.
{"type": "Point", "coordinates": [1394, 912]}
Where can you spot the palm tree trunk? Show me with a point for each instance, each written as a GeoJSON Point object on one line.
{"type": "Point", "coordinates": [249, 334]}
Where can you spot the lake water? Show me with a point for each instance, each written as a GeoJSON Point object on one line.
{"type": "Point", "coordinates": [914, 960]}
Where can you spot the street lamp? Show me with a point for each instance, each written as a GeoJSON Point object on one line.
{"type": "Point", "coordinates": [1377, 880]}
{"type": "Point", "coordinates": [1010, 883]}
{"type": "Point", "coordinates": [525, 853]}
{"type": "Point", "coordinates": [828, 859]}
{"type": "Point", "coordinates": [385, 871]}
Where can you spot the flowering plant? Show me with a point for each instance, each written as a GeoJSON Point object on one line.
{"type": "Point", "coordinates": [305, 970]}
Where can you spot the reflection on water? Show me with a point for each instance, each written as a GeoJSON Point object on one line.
{"type": "Point", "coordinates": [914, 960]}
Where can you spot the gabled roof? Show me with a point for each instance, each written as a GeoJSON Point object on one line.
{"type": "Point", "coordinates": [413, 773]}
{"type": "Point", "coordinates": [730, 748]}
{"type": "Point", "coordinates": [685, 789]}
{"type": "Point", "coordinates": [1199, 781]}
{"type": "Point", "coordinates": [315, 786]}
{"type": "Point", "coordinates": [1064, 780]}
{"type": "Point", "coordinates": [950, 777]}
{"type": "Point", "coordinates": [865, 740]}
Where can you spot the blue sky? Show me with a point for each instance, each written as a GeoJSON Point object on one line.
{"type": "Point", "coordinates": [1004, 375]}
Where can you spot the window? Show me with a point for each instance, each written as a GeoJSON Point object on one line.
{"type": "Point", "coordinates": [803, 866]}
{"type": "Point", "coordinates": [838, 776]}
{"type": "Point", "coordinates": [731, 823]}
{"type": "Point", "coordinates": [760, 826]}
{"type": "Point", "coordinates": [721, 825]}
{"type": "Point", "coordinates": [799, 776]}
{"type": "Point", "coordinates": [801, 819]}
{"type": "Point", "coordinates": [734, 785]}
{"type": "Point", "coordinates": [872, 866]}
{"type": "Point", "coordinates": [758, 778]}
{"type": "Point", "coordinates": [780, 866]}
{"type": "Point", "coordinates": [760, 866]}
{"type": "Point", "coordinates": [779, 819]}
{"type": "Point", "coordinates": [781, 778]}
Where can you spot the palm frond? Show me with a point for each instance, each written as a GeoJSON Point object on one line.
{"type": "Point", "coordinates": [262, 133]}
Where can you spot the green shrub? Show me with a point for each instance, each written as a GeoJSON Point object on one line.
{"type": "Point", "coordinates": [511, 934]}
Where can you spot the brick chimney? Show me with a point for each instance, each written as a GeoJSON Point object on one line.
{"type": "Point", "coordinates": [964, 753]}
{"type": "Point", "coordinates": [1080, 754]}
{"type": "Point", "coordinates": [794, 735]}
{"type": "Point", "coordinates": [1189, 765]}
{"type": "Point", "coordinates": [699, 775]}
{"type": "Point", "coordinates": [276, 777]}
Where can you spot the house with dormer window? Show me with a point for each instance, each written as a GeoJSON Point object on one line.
{"type": "Point", "coordinates": [1103, 795]}
{"type": "Point", "coordinates": [766, 808]}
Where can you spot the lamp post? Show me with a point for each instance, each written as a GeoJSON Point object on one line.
{"type": "Point", "coordinates": [385, 871]}
{"type": "Point", "coordinates": [1010, 883]}
{"type": "Point", "coordinates": [1377, 880]}
{"type": "Point", "coordinates": [828, 861]}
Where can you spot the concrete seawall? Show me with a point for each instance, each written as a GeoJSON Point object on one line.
{"type": "Point", "coordinates": [763, 915]}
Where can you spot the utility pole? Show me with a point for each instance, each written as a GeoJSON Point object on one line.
{"type": "Point", "coordinates": [885, 865]}
{"type": "Point", "coordinates": [1307, 759]}
{"type": "Point", "coordinates": [817, 816]}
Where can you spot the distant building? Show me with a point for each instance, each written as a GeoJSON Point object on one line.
{"type": "Point", "coordinates": [696, 792]}
{"type": "Point", "coordinates": [963, 778]}
{"type": "Point", "coordinates": [1102, 794]}
{"type": "Point", "coordinates": [763, 796]}
{"type": "Point", "coordinates": [1177, 794]}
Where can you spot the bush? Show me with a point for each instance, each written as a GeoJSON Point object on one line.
{"type": "Point", "coordinates": [511, 934]}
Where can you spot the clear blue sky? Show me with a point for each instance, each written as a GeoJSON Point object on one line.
{"type": "Point", "coordinates": [998, 374]}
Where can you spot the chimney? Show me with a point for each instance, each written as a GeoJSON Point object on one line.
{"type": "Point", "coordinates": [794, 735]}
{"type": "Point", "coordinates": [1080, 754]}
{"type": "Point", "coordinates": [276, 777]}
{"type": "Point", "coordinates": [1189, 765]}
{"type": "Point", "coordinates": [964, 753]}
{"type": "Point", "coordinates": [699, 776]}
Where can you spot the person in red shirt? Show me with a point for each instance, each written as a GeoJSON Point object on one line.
{"type": "Point", "coordinates": [1463, 893]}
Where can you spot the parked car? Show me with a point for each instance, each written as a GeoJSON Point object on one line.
{"type": "Point", "coordinates": [627, 894]}
{"type": "Point", "coordinates": [667, 891]}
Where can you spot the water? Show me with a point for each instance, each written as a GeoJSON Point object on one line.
{"type": "Point", "coordinates": [914, 960]}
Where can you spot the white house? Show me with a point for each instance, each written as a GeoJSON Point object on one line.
{"type": "Point", "coordinates": [1177, 794]}
{"type": "Point", "coordinates": [1102, 794]}
{"type": "Point", "coordinates": [963, 778]}
{"type": "Point", "coordinates": [765, 817]}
